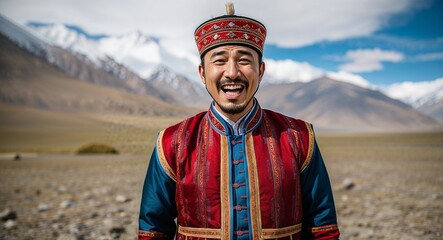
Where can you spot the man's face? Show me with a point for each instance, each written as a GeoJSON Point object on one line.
{"type": "Point", "coordinates": [232, 75]}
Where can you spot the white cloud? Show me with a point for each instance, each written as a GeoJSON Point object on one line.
{"type": "Point", "coordinates": [369, 60]}
{"type": "Point", "coordinates": [278, 71]}
{"type": "Point", "coordinates": [350, 78]}
{"type": "Point", "coordinates": [289, 23]}
{"type": "Point", "coordinates": [290, 71]}
{"type": "Point", "coordinates": [428, 57]}
{"type": "Point", "coordinates": [416, 93]}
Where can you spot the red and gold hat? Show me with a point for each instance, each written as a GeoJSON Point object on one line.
{"type": "Point", "coordinates": [230, 29]}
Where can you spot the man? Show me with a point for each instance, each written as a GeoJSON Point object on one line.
{"type": "Point", "coordinates": [236, 171]}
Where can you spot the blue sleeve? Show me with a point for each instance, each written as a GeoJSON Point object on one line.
{"type": "Point", "coordinates": [318, 202]}
{"type": "Point", "coordinates": [158, 209]}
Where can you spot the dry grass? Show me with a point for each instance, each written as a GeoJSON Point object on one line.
{"type": "Point", "coordinates": [32, 130]}
{"type": "Point", "coordinates": [133, 134]}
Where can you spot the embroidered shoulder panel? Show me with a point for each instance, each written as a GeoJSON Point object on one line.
{"type": "Point", "coordinates": [162, 158]}
{"type": "Point", "coordinates": [310, 147]}
{"type": "Point", "coordinates": [172, 141]}
{"type": "Point", "coordinates": [302, 136]}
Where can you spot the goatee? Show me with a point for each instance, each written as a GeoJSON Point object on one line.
{"type": "Point", "coordinates": [233, 108]}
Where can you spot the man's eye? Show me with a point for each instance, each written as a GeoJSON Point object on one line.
{"type": "Point", "coordinates": [244, 61]}
{"type": "Point", "coordinates": [218, 61]}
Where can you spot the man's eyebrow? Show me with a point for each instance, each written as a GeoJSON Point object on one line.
{"type": "Point", "coordinates": [224, 52]}
{"type": "Point", "coordinates": [245, 52]}
{"type": "Point", "coordinates": [218, 53]}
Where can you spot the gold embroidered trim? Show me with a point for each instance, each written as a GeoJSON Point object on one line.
{"type": "Point", "coordinates": [224, 189]}
{"type": "Point", "coordinates": [324, 228]}
{"type": "Point", "coordinates": [145, 233]}
{"type": "Point", "coordinates": [199, 232]}
{"type": "Point", "coordinates": [202, 171]}
{"type": "Point", "coordinates": [271, 233]}
{"type": "Point", "coordinates": [162, 158]}
{"type": "Point", "coordinates": [276, 170]}
{"type": "Point", "coordinates": [310, 147]}
{"type": "Point", "coordinates": [254, 188]}
{"type": "Point", "coordinates": [267, 233]}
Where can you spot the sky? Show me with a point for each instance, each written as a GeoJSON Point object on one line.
{"type": "Point", "coordinates": [371, 42]}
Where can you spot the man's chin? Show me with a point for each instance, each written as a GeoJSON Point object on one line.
{"type": "Point", "coordinates": [233, 108]}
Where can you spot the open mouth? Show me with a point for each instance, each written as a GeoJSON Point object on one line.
{"type": "Point", "coordinates": [232, 89]}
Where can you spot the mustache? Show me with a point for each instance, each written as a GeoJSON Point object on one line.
{"type": "Point", "coordinates": [232, 81]}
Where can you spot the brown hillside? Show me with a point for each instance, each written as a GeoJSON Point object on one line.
{"type": "Point", "coordinates": [27, 80]}
{"type": "Point", "coordinates": [334, 105]}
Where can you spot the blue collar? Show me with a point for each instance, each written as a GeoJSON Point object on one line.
{"type": "Point", "coordinates": [244, 125]}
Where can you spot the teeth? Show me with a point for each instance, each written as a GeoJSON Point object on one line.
{"type": "Point", "coordinates": [232, 87]}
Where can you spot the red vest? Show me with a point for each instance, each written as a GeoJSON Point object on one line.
{"type": "Point", "coordinates": [196, 154]}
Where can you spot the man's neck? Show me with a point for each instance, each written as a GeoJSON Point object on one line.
{"type": "Point", "coordinates": [235, 117]}
{"type": "Point", "coordinates": [237, 124]}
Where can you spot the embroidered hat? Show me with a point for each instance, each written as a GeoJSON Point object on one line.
{"type": "Point", "coordinates": [230, 29]}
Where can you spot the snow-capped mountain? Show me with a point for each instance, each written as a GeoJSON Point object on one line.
{"type": "Point", "coordinates": [105, 71]}
{"type": "Point", "coordinates": [22, 37]}
{"type": "Point", "coordinates": [61, 36]}
{"type": "Point", "coordinates": [427, 97]}
{"type": "Point", "coordinates": [417, 93]}
{"type": "Point", "coordinates": [29, 83]}
{"type": "Point", "coordinates": [147, 57]}
{"type": "Point", "coordinates": [140, 64]}
{"type": "Point", "coordinates": [331, 104]}
{"type": "Point", "coordinates": [180, 88]}
{"type": "Point", "coordinates": [141, 53]}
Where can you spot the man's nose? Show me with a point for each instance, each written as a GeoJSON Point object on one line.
{"type": "Point", "coordinates": [232, 71]}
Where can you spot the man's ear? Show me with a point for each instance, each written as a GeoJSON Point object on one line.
{"type": "Point", "coordinates": [201, 72]}
{"type": "Point", "coordinates": [262, 69]}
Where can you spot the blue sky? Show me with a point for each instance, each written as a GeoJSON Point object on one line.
{"type": "Point", "coordinates": [417, 34]}
{"type": "Point", "coordinates": [377, 42]}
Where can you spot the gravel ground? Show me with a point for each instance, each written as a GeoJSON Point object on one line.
{"type": "Point", "coordinates": [72, 197]}
{"type": "Point", "coordinates": [382, 191]}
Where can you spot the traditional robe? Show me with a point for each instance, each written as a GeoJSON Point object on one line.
{"type": "Point", "coordinates": [267, 181]}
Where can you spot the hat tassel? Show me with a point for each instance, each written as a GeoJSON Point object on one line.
{"type": "Point", "coordinates": [230, 8]}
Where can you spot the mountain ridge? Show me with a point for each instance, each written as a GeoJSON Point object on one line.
{"type": "Point", "coordinates": [141, 53]}
{"type": "Point", "coordinates": [155, 55]}
{"type": "Point", "coordinates": [334, 105]}
{"type": "Point", "coordinates": [125, 53]}
{"type": "Point", "coordinates": [30, 81]}
{"type": "Point", "coordinates": [103, 71]}
{"type": "Point", "coordinates": [329, 104]}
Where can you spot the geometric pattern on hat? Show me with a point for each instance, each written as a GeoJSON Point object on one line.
{"type": "Point", "coordinates": [230, 29]}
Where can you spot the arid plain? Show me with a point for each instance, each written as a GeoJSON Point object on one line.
{"type": "Point", "coordinates": [386, 186]}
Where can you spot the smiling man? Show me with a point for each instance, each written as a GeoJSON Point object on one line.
{"type": "Point", "coordinates": [236, 171]}
{"type": "Point", "coordinates": [232, 75]}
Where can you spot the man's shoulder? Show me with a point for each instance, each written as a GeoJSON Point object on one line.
{"type": "Point", "coordinates": [176, 136]}
{"type": "Point", "coordinates": [298, 131]}
{"type": "Point", "coordinates": [288, 120]}
{"type": "Point", "coordinates": [191, 121]}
